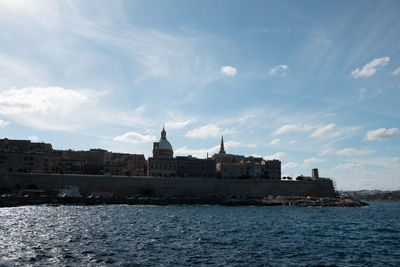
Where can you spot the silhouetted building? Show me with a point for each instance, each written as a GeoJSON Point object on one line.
{"type": "Point", "coordinates": [163, 164]}
{"type": "Point", "coordinates": [238, 166]}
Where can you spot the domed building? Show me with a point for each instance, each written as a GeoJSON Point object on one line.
{"type": "Point", "coordinates": [163, 163]}
{"type": "Point", "coordinates": [163, 148]}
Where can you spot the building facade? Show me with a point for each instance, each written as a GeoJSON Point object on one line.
{"type": "Point", "coordinates": [26, 156]}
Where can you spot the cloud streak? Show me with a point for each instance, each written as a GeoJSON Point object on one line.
{"type": "Point", "coordinates": [370, 68]}
{"type": "Point", "coordinates": [279, 69]}
{"type": "Point", "coordinates": [323, 131]}
{"type": "Point", "coordinates": [134, 137]}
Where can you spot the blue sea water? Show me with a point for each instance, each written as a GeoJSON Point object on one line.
{"type": "Point", "coordinates": [184, 235]}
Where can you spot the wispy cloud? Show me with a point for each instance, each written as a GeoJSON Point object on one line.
{"type": "Point", "coordinates": [4, 123]}
{"type": "Point", "coordinates": [279, 69]}
{"type": "Point", "coordinates": [327, 115]}
{"type": "Point", "coordinates": [274, 141]}
{"type": "Point", "coordinates": [350, 152]}
{"type": "Point", "coordinates": [229, 70]}
{"type": "Point", "coordinates": [313, 160]}
{"type": "Point", "coordinates": [396, 72]}
{"type": "Point", "coordinates": [206, 131]}
{"type": "Point", "coordinates": [293, 128]}
{"type": "Point", "coordinates": [324, 131]}
{"type": "Point", "coordinates": [362, 92]}
{"type": "Point", "coordinates": [381, 134]}
{"type": "Point", "coordinates": [179, 124]}
{"type": "Point", "coordinates": [290, 165]}
{"type": "Point", "coordinates": [348, 166]}
{"type": "Point", "coordinates": [134, 137]}
{"type": "Point", "coordinates": [370, 68]}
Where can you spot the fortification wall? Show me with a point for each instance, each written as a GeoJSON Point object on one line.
{"type": "Point", "coordinates": [199, 187]}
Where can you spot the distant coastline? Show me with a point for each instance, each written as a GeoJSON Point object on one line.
{"type": "Point", "coordinates": [373, 195]}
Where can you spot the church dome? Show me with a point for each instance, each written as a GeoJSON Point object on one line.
{"type": "Point", "coordinates": [165, 144]}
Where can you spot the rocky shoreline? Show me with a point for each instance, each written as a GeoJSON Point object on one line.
{"type": "Point", "coordinates": [341, 201]}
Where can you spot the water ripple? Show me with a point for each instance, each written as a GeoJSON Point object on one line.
{"type": "Point", "coordinates": [200, 235]}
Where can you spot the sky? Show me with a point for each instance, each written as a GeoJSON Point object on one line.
{"type": "Point", "coordinates": [315, 84]}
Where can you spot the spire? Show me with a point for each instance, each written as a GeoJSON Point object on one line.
{"type": "Point", "coordinates": [163, 133]}
{"type": "Point", "coordinates": [221, 149]}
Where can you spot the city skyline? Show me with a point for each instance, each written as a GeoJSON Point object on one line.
{"type": "Point", "coordinates": [313, 84]}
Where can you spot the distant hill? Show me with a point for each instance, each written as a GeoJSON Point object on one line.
{"type": "Point", "coordinates": [373, 195]}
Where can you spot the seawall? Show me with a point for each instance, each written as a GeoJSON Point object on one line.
{"type": "Point", "coordinates": [188, 186]}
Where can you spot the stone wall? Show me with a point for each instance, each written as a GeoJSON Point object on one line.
{"type": "Point", "coordinates": [188, 186]}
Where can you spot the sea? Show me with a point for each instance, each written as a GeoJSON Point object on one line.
{"type": "Point", "coordinates": [200, 235]}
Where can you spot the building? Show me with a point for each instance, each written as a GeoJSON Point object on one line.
{"type": "Point", "coordinates": [163, 164]}
{"type": "Point", "coordinates": [238, 166]}
{"type": "Point", "coordinates": [26, 156]}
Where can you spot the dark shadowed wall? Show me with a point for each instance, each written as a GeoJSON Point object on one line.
{"type": "Point", "coordinates": [199, 187]}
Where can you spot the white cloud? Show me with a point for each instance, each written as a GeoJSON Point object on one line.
{"type": "Point", "coordinates": [52, 108]}
{"type": "Point", "coordinates": [179, 124]}
{"type": "Point", "coordinates": [279, 69]}
{"type": "Point", "coordinates": [275, 141]}
{"type": "Point", "coordinates": [141, 109]}
{"type": "Point", "coordinates": [347, 166]}
{"type": "Point", "coordinates": [324, 131]}
{"type": "Point", "coordinates": [277, 155]}
{"type": "Point", "coordinates": [396, 160]}
{"type": "Point", "coordinates": [292, 128]}
{"type": "Point", "coordinates": [57, 108]}
{"type": "Point", "coordinates": [312, 161]}
{"type": "Point", "coordinates": [4, 123]}
{"type": "Point", "coordinates": [134, 137]}
{"type": "Point", "coordinates": [228, 70]}
{"type": "Point", "coordinates": [349, 152]}
{"type": "Point", "coordinates": [362, 93]}
{"type": "Point", "coordinates": [370, 68]}
{"type": "Point", "coordinates": [396, 72]}
{"type": "Point", "coordinates": [326, 152]}
{"type": "Point", "coordinates": [292, 142]}
{"type": "Point", "coordinates": [381, 134]}
{"type": "Point", "coordinates": [42, 100]}
{"type": "Point", "coordinates": [206, 131]}
{"type": "Point", "coordinates": [33, 138]}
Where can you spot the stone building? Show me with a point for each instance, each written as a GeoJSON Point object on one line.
{"type": "Point", "coordinates": [238, 166]}
{"type": "Point", "coordinates": [163, 164]}
{"type": "Point", "coordinates": [26, 156]}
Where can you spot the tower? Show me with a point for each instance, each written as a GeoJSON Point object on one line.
{"type": "Point", "coordinates": [314, 174]}
{"type": "Point", "coordinates": [163, 133]}
{"type": "Point", "coordinates": [222, 149]}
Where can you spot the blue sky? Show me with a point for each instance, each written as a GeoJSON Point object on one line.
{"type": "Point", "coordinates": [315, 84]}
